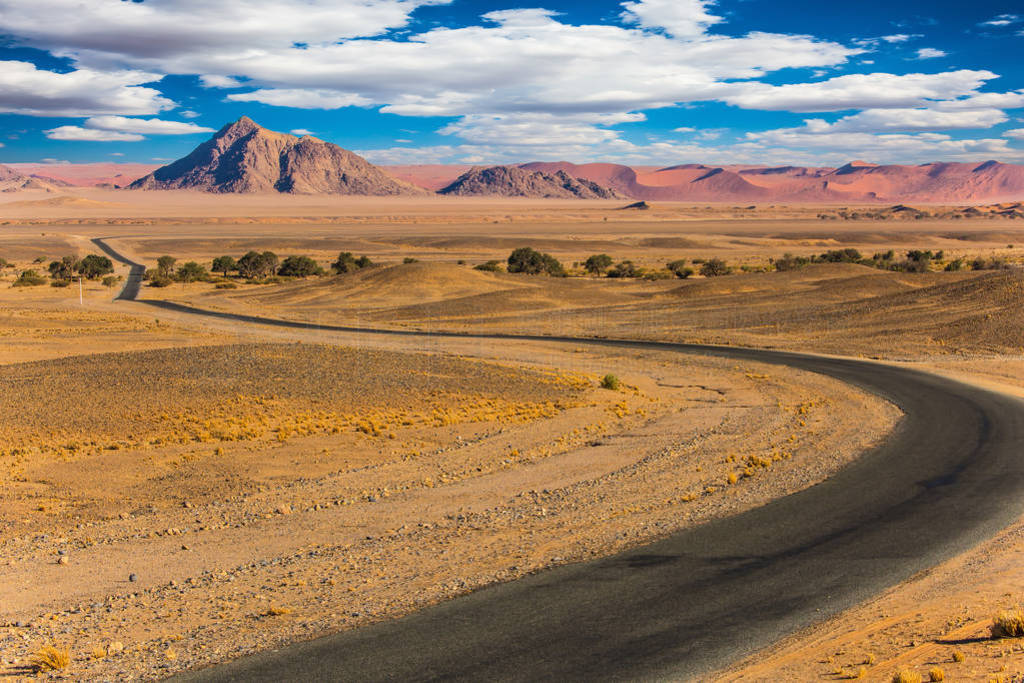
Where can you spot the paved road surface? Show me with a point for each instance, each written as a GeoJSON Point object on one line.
{"type": "Point", "coordinates": [950, 476]}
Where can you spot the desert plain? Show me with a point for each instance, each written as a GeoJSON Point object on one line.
{"type": "Point", "coordinates": [180, 490]}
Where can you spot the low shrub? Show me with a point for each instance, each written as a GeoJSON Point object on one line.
{"type": "Point", "coordinates": [410, 259]}
{"type": "Point", "coordinates": [60, 283]}
{"type": "Point", "coordinates": [50, 658]}
{"type": "Point", "coordinates": [29, 278]}
{"type": "Point", "coordinates": [159, 281]}
{"type": "Point", "coordinates": [906, 676]}
{"type": "Point", "coordinates": [679, 269]}
{"type": "Point", "coordinates": [1008, 624]}
{"type": "Point", "coordinates": [489, 267]}
{"type": "Point", "coordinates": [611, 382]}
{"type": "Point", "coordinates": [111, 280]}
{"type": "Point", "coordinates": [532, 262]}
{"type": "Point", "coordinates": [226, 285]}
{"type": "Point", "coordinates": [714, 267]}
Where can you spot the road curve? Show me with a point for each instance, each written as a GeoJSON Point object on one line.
{"type": "Point", "coordinates": [951, 475]}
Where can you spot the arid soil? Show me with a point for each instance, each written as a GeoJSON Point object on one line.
{"type": "Point", "coordinates": [245, 536]}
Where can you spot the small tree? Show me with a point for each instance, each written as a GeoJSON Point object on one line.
{"type": "Point", "coordinates": [346, 263]}
{"type": "Point", "coordinates": [165, 266]}
{"type": "Point", "coordinates": [29, 278]}
{"type": "Point", "coordinates": [624, 269]}
{"type": "Point", "coordinates": [532, 262]}
{"type": "Point", "coordinates": [489, 267]}
{"type": "Point", "coordinates": [191, 271]}
{"type": "Point", "coordinates": [94, 266]}
{"type": "Point", "coordinates": [364, 261]}
{"type": "Point", "coordinates": [299, 266]}
{"type": "Point", "coordinates": [714, 267]}
{"type": "Point", "coordinates": [63, 269]}
{"type": "Point", "coordinates": [249, 265]}
{"type": "Point", "coordinates": [679, 269]}
{"type": "Point", "coordinates": [789, 262]}
{"type": "Point", "coordinates": [111, 280]}
{"type": "Point", "coordinates": [270, 262]}
{"type": "Point", "coordinates": [597, 264]}
{"type": "Point", "coordinates": [224, 265]}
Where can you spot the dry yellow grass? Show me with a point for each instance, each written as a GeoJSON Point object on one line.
{"type": "Point", "coordinates": [906, 676]}
{"type": "Point", "coordinates": [958, 656]}
{"type": "Point", "coordinates": [936, 674]}
{"type": "Point", "coordinates": [50, 658]}
{"type": "Point", "coordinates": [276, 611]}
{"type": "Point", "coordinates": [1008, 624]}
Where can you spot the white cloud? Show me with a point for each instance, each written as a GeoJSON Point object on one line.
{"type": "Point", "coordinates": [106, 32]}
{"type": "Point", "coordinates": [899, 37]}
{"type": "Point", "coordinates": [144, 126]}
{"type": "Point", "coordinates": [219, 81]}
{"type": "Point", "coordinates": [930, 53]}
{"type": "Point", "coordinates": [684, 129]}
{"type": "Point", "coordinates": [301, 131]}
{"type": "Point", "coordinates": [90, 134]}
{"type": "Point", "coordinates": [537, 129]}
{"type": "Point", "coordinates": [302, 99]}
{"type": "Point", "coordinates": [25, 89]}
{"type": "Point", "coordinates": [887, 120]}
{"type": "Point", "coordinates": [117, 154]}
{"type": "Point", "coordinates": [892, 148]}
{"type": "Point", "coordinates": [189, 114]}
{"type": "Point", "coordinates": [857, 91]}
{"type": "Point", "coordinates": [679, 18]}
{"type": "Point", "coordinates": [1014, 133]}
{"type": "Point", "coordinates": [1002, 20]}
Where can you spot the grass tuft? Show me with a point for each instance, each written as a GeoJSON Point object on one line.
{"type": "Point", "coordinates": [1008, 624]}
{"type": "Point", "coordinates": [275, 611]}
{"type": "Point", "coordinates": [936, 674]}
{"type": "Point", "coordinates": [50, 658]}
{"type": "Point", "coordinates": [906, 676]}
{"type": "Point", "coordinates": [958, 656]}
{"type": "Point", "coordinates": [610, 381]}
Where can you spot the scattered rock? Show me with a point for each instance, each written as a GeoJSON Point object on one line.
{"type": "Point", "coordinates": [133, 577]}
{"type": "Point", "coordinates": [63, 559]}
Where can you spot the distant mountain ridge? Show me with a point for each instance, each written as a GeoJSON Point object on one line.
{"type": "Point", "coordinates": [13, 181]}
{"type": "Point", "coordinates": [244, 157]}
{"type": "Point", "coordinates": [854, 182]}
{"type": "Point", "coordinates": [514, 181]}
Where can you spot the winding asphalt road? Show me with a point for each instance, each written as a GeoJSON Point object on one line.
{"type": "Point", "coordinates": [950, 476]}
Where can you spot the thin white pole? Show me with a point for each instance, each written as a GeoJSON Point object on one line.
{"type": "Point", "coordinates": [81, 302]}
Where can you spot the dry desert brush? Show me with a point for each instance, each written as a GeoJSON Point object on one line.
{"type": "Point", "coordinates": [1008, 624]}
{"type": "Point", "coordinates": [50, 658]}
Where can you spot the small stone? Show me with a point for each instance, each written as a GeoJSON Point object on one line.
{"type": "Point", "coordinates": [63, 559]}
{"type": "Point", "coordinates": [284, 510]}
{"type": "Point", "coordinates": [133, 577]}
{"type": "Point", "coordinates": [184, 547]}
{"type": "Point", "coordinates": [115, 647]}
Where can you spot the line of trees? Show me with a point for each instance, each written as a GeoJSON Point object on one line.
{"type": "Point", "coordinates": [254, 266]}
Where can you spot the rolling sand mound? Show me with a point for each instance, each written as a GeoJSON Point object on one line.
{"type": "Point", "coordinates": [62, 202]}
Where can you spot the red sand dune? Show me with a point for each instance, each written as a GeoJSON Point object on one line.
{"type": "Point", "coordinates": [88, 175]}
{"type": "Point", "coordinates": [858, 181]}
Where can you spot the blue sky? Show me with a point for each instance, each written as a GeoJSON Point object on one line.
{"type": "Point", "coordinates": [453, 81]}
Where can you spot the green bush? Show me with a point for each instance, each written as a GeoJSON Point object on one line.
{"type": "Point", "coordinates": [347, 263]}
{"type": "Point", "coordinates": [489, 267]}
{"type": "Point", "coordinates": [191, 272]}
{"type": "Point", "coordinates": [165, 266]}
{"type": "Point", "coordinates": [159, 281]}
{"type": "Point", "coordinates": [257, 265]}
{"type": "Point", "coordinates": [679, 269]}
{"type": "Point", "coordinates": [624, 269]}
{"type": "Point", "coordinates": [714, 267]}
{"type": "Point", "coordinates": [610, 381]}
{"type": "Point", "coordinates": [60, 283]}
{"type": "Point", "coordinates": [299, 266]}
{"type": "Point", "coordinates": [94, 266]}
{"type": "Point", "coordinates": [789, 262]}
{"type": "Point", "coordinates": [597, 264]}
{"type": "Point", "coordinates": [111, 280]}
{"type": "Point", "coordinates": [410, 259]}
{"type": "Point", "coordinates": [29, 278]}
{"type": "Point", "coordinates": [532, 262]}
{"type": "Point", "coordinates": [63, 269]}
{"type": "Point", "coordinates": [224, 265]}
